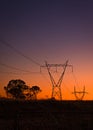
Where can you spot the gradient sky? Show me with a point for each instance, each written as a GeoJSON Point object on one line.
{"type": "Point", "coordinates": [52, 31]}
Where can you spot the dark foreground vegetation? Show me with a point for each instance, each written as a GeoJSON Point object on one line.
{"type": "Point", "coordinates": [46, 115]}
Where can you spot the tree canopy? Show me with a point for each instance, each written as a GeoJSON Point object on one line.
{"type": "Point", "coordinates": [35, 90]}
{"type": "Point", "coordinates": [16, 88]}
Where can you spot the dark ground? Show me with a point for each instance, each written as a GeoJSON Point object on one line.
{"type": "Point", "coordinates": [46, 115]}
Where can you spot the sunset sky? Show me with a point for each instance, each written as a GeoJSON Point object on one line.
{"type": "Point", "coordinates": [35, 31]}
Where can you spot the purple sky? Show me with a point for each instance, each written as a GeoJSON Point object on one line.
{"type": "Point", "coordinates": [52, 30]}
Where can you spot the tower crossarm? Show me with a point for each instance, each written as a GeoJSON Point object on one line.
{"type": "Point", "coordinates": [82, 93]}
{"type": "Point", "coordinates": [56, 65]}
{"type": "Point", "coordinates": [56, 86]}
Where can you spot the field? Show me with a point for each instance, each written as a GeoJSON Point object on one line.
{"type": "Point", "coordinates": [46, 115]}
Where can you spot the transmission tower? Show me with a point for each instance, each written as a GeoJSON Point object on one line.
{"type": "Point", "coordinates": [56, 87]}
{"type": "Point", "coordinates": [79, 94]}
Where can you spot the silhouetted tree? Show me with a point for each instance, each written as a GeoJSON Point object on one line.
{"type": "Point", "coordinates": [35, 90]}
{"type": "Point", "coordinates": [16, 88]}
{"type": "Point", "coordinates": [29, 94]}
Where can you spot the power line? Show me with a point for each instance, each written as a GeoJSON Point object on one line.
{"type": "Point", "coordinates": [14, 73]}
{"type": "Point", "coordinates": [75, 80]}
{"type": "Point", "coordinates": [65, 86]}
{"type": "Point", "coordinates": [11, 67]}
{"type": "Point", "coordinates": [18, 52]}
{"type": "Point", "coordinates": [42, 74]}
{"type": "Point", "coordinates": [5, 72]}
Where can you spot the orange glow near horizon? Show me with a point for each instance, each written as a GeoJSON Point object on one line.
{"type": "Point", "coordinates": [33, 32]}
{"type": "Point", "coordinates": [43, 81]}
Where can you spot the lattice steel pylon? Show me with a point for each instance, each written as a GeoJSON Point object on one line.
{"type": "Point", "coordinates": [56, 87]}
{"type": "Point", "coordinates": [79, 94]}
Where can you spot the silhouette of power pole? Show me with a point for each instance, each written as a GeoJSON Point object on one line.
{"type": "Point", "coordinates": [56, 87]}
{"type": "Point", "coordinates": [79, 94]}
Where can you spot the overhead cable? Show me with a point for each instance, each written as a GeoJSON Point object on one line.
{"type": "Point", "coordinates": [15, 73]}
{"type": "Point", "coordinates": [11, 67]}
{"type": "Point", "coordinates": [18, 52]}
